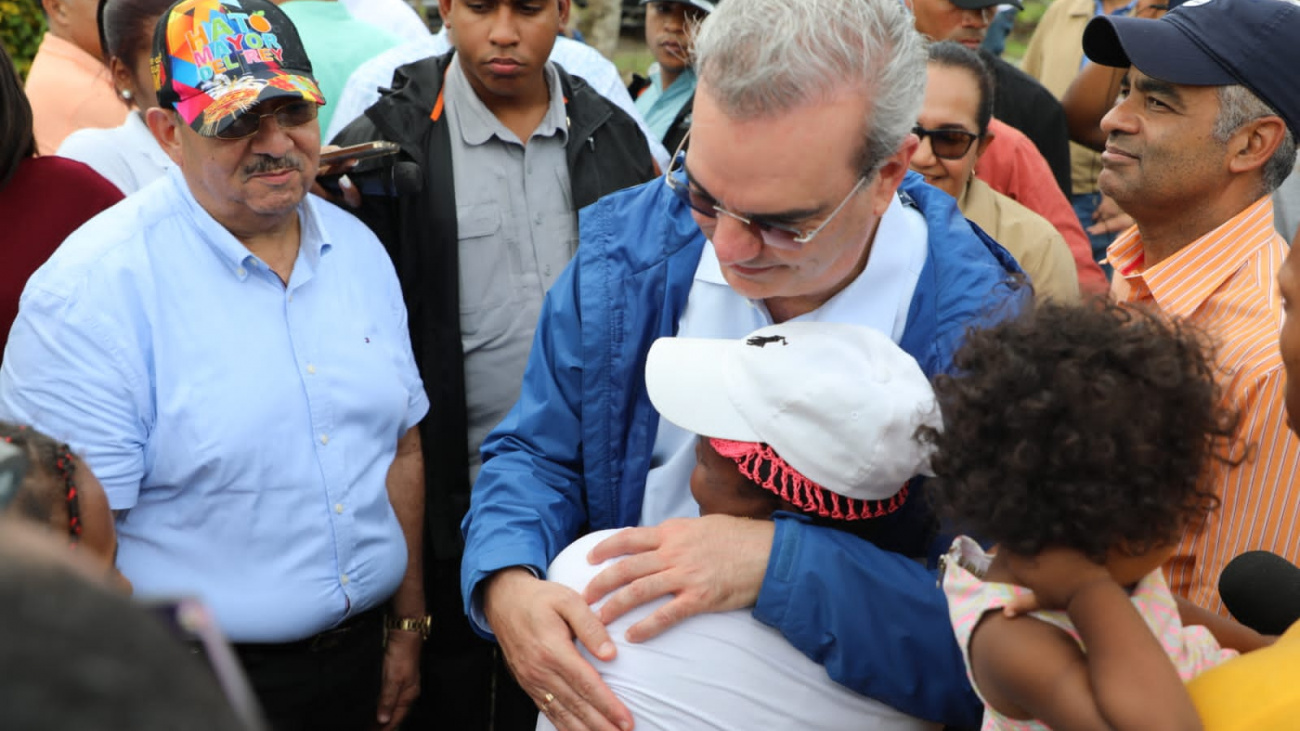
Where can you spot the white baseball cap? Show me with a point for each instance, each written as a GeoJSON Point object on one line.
{"type": "Point", "coordinates": [840, 403]}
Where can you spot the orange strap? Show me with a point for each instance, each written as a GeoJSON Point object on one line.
{"type": "Point", "coordinates": [437, 106]}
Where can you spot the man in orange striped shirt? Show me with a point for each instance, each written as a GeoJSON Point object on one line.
{"type": "Point", "coordinates": [1203, 132]}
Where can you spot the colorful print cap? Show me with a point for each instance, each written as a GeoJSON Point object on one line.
{"type": "Point", "coordinates": [213, 60]}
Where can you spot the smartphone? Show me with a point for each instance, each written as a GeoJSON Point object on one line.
{"type": "Point", "coordinates": [363, 151]}
{"type": "Point", "coordinates": [190, 621]}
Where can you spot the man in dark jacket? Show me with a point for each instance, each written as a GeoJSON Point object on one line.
{"type": "Point", "coordinates": [510, 147]}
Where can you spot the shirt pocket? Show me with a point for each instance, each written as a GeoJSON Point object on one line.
{"type": "Point", "coordinates": [488, 261]}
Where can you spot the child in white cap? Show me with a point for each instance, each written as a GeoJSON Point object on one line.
{"type": "Point", "coordinates": [814, 418]}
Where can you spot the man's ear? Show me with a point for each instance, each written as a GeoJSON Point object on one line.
{"type": "Point", "coordinates": [565, 7]}
{"type": "Point", "coordinates": [1251, 146]}
{"type": "Point", "coordinates": [166, 129]}
{"type": "Point", "coordinates": [444, 11]}
{"type": "Point", "coordinates": [891, 173]}
{"type": "Point", "coordinates": [56, 11]}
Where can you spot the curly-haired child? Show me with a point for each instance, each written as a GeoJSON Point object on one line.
{"type": "Point", "coordinates": [60, 492]}
{"type": "Point", "coordinates": [1074, 438]}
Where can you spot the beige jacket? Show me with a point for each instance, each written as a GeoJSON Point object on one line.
{"type": "Point", "coordinates": [1054, 56]}
{"type": "Point", "coordinates": [1035, 243]}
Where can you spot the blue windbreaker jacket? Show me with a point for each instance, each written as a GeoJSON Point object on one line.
{"type": "Point", "coordinates": [573, 454]}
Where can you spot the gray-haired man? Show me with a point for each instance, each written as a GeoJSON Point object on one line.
{"type": "Point", "coordinates": [797, 168]}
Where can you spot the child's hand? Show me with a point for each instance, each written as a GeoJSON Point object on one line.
{"type": "Point", "coordinates": [1055, 575]}
{"type": "Point", "coordinates": [1021, 604]}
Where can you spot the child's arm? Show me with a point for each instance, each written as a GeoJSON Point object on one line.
{"type": "Point", "coordinates": [1026, 668]}
{"type": "Point", "coordinates": [1229, 632]}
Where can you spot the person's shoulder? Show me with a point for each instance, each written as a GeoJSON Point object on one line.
{"type": "Point", "coordinates": [1063, 9]}
{"type": "Point", "coordinates": [89, 142]}
{"type": "Point", "coordinates": [1016, 82]}
{"type": "Point", "coordinates": [576, 55]}
{"type": "Point", "coordinates": [65, 169]}
{"type": "Point", "coordinates": [86, 270]}
{"type": "Point", "coordinates": [84, 191]}
{"type": "Point", "coordinates": [1020, 219]}
{"type": "Point", "coordinates": [571, 567]}
{"type": "Point", "coordinates": [343, 227]}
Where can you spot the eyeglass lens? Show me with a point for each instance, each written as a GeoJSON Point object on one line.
{"type": "Point", "coordinates": [294, 114]}
{"type": "Point", "coordinates": [949, 144]}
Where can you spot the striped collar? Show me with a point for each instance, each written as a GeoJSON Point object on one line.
{"type": "Point", "coordinates": [1180, 284]}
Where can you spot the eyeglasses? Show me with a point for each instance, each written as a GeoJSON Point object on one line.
{"type": "Point", "coordinates": [776, 235]}
{"type": "Point", "coordinates": [293, 114]}
{"type": "Point", "coordinates": [947, 144]}
{"type": "Point", "coordinates": [986, 13]}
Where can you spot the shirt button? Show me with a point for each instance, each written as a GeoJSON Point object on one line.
{"type": "Point", "coordinates": [338, 508]}
{"type": "Point", "coordinates": [324, 439]}
{"type": "Point", "coordinates": [291, 296]}
{"type": "Point", "coordinates": [344, 579]}
{"type": "Point", "coordinates": [311, 369]}
{"type": "Point", "coordinates": [241, 271]}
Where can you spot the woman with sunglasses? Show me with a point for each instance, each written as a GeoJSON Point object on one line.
{"type": "Point", "coordinates": [954, 131]}
{"type": "Point", "coordinates": [127, 155]}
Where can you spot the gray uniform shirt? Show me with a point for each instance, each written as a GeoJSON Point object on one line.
{"type": "Point", "coordinates": [518, 230]}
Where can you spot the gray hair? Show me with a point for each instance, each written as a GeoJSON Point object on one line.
{"type": "Point", "coordinates": [1239, 105]}
{"type": "Point", "coordinates": [764, 57]}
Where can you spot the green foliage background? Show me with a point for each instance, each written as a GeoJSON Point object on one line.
{"type": "Point", "coordinates": [21, 26]}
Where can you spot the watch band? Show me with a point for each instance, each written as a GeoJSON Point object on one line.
{"type": "Point", "coordinates": [422, 625]}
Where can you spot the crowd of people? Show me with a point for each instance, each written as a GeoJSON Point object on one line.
{"type": "Point", "coordinates": [834, 373]}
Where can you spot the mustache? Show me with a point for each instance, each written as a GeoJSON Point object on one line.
{"type": "Point", "coordinates": [268, 164]}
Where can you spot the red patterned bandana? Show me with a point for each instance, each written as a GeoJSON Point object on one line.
{"type": "Point", "coordinates": [760, 464]}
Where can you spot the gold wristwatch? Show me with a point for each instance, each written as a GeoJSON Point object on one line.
{"type": "Point", "coordinates": [423, 625]}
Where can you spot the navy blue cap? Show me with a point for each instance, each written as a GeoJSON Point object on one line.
{"type": "Point", "coordinates": [1254, 43]}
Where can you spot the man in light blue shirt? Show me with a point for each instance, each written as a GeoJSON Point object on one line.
{"type": "Point", "coordinates": [665, 99]}
{"type": "Point", "coordinates": [231, 357]}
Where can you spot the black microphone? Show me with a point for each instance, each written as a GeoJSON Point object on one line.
{"type": "Point", "coordinates": [400, 178]}
{"type": "Point", "coordinates": [1262, 590]}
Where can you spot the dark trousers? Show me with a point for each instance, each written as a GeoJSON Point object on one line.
{"type": "Point", "coordinates": [329, 682]}
{"type": "Point", "coordinates": [465, 685]}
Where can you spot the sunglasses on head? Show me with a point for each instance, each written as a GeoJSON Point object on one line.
{"type": "Point", "coordinates": [293, 114]}
{"type": "Point", "coordinates": [947, 144]}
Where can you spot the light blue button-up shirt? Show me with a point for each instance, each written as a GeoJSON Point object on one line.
{"type": "Point", "coordinates": [244, 428]}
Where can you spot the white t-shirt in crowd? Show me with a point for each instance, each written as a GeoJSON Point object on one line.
{"type": "Point", "coordinates": [723, 671]}
{"type": "Point", "coordinates": [127, 156]}
{"type": "Point", "coordinates": [395, 16]}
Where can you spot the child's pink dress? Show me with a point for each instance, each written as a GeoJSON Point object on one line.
{"type": "Point", "coordinates": [1193, 649]}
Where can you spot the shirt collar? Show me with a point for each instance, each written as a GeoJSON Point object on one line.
{"type": "Point", "coordinates": [1180, 284]}
{"type": "Point", "coordinates": [137, 128]}
{"type": "Point", "coordinates": [478, 124]}
{"type": "Point", "coordinates": [314, 241]}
